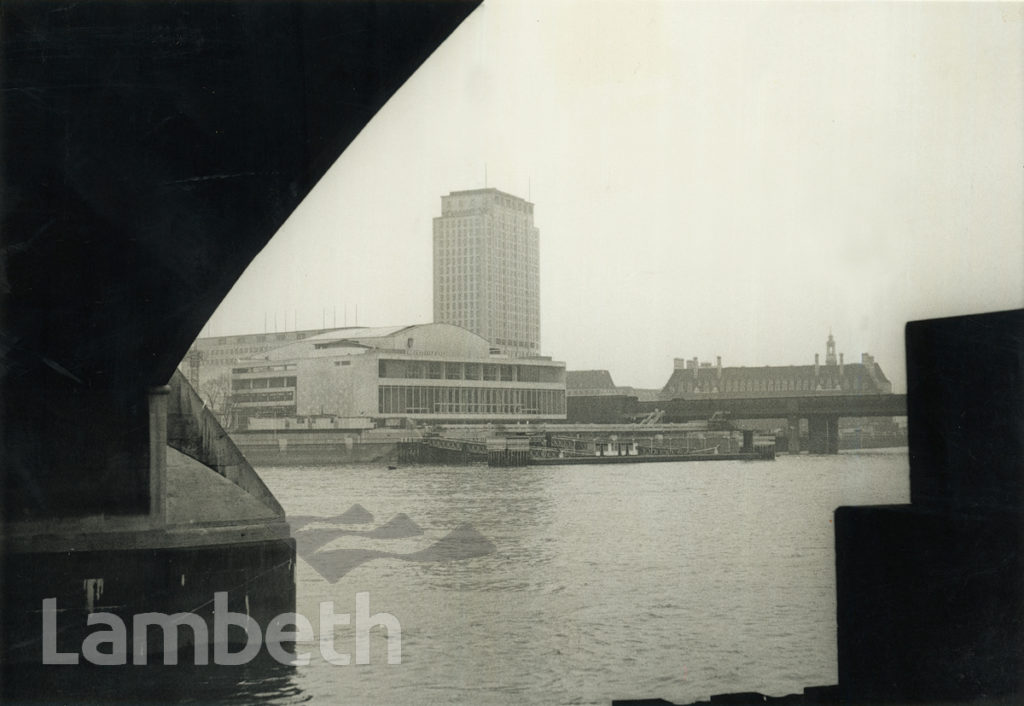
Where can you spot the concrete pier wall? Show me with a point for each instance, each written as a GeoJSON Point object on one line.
{"type": "Point", "coordinates": [208, 528]}
{"type": "Point", "coordinates": [194, 430]}
{"type": "Point", "coordinates": [929, 605]}
{"type": "Point", "coordinates": [930, 598]}
{"type": "Point", "coordinates": [258, 577]}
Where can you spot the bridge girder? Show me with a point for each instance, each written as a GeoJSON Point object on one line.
{"type": "Point", "coordinates": [681, 410]}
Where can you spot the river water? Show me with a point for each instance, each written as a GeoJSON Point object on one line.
{"type": "Point", "coordinates": [544, 585]}
{"type": "Point", "coordinates": [576, 584]}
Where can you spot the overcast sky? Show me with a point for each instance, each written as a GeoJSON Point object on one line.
{"type": "Point", "coordinates": [709, 179]}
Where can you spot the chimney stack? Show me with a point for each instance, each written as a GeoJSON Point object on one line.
{"type": "Point", "coordinates": [840, 365]}
{"type": "Point", "coordinates": [718, 361]}
{"type": "Point", "coordinates": [815, 365]}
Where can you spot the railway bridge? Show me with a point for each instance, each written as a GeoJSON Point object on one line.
{"type": "Point", "coordinates": [822, 413]}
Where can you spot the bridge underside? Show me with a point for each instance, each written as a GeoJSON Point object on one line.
{"type": "Point", "coordinates": [150, 151]}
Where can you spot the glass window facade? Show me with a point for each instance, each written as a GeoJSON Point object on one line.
{"type": "Point", "coordinates": [262, 383]}
{"type": "Point", "coordinates": [249, 397]}
{"type": "Point", "coordinates": [414, 399]}
{"type": "Point", "coordinates": [413, 369]}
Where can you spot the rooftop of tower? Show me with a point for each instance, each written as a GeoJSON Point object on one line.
{"type": "Point", "coordinates": [477, 200]}
{"type": "Point", "coordinates": [474, 192]}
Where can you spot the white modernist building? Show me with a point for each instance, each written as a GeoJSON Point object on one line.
{"type": "Point", "coordinates": [429, 372]}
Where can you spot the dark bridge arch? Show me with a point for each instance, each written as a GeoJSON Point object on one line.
{"type": "Point", "coordinates": [150, 150]}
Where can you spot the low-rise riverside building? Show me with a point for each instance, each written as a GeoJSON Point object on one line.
{"type": "Point", "coordinates": [426, 373]}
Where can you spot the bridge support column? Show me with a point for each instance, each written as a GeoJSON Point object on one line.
{"type": "Point", "coordinates": [158, 397]}
{"type": "Point", "coordinates": [823, 434]}
{"type": "Point", "coordinates": [793, 435]}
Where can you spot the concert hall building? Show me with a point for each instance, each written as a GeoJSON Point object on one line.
{"type": "Point", "coordinates": [429, 373]}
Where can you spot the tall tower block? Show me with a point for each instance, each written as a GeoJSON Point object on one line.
{"type": "Point", "coordinates": [486, 268]}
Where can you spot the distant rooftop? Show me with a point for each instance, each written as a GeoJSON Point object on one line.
{"type": "Point", "coordinates": [588, 380]}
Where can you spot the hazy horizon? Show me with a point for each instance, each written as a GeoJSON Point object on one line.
{"type": "Point", "coordinates": [708, 179]}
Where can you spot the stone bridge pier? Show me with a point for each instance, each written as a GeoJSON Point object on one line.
{"type": "Point", "coordinates": [793, 435]}
{"type": "Point", "coordinates": [823, 434]}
